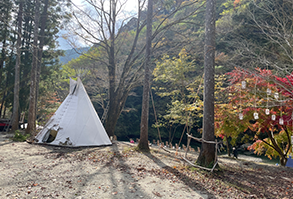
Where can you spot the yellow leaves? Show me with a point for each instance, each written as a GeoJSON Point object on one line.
{"type": "Point", "coordinates": [182, 53]}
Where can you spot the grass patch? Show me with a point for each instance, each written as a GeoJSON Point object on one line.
{"type": "Point", "coordinates": [20, 137]}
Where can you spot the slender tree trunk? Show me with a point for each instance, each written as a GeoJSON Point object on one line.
{"type": "Point", "coordinates": [276, 147]}
{"type": "Point", "coordinates": [15, 114]}
{"type": "Point", "coordinates": [6, 13]}
{"type": "Point", "coordinates": [228, 147]}
{"type": "Point", "coordinates": [4, 112]}
{"type": "Point", "coordinates": [44, 18]}
{"type": "Point", "coordinates": [7, 91]}
{"type": "Point", "coordinates": [283, 160]}
{"type": "Point", "coordinates": [3, 57]}
{"type": "Point", "coordinates": [207, 153]}
{"type": "Point", "coordinates": [143, 142]}
{"type": "Point", "coordinates": [113, 112]}
{"type": "Point", "coordinates": [2, 103]}
{"type": "Point", "coordinates": [112, 118]}
{"type": "Point", "coordinates": [31, 127]}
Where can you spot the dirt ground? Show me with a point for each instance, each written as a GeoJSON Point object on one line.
{"type": "Point", "coordinates": [118, 171]}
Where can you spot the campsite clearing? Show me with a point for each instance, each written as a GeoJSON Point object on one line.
{"type": "Point", "coordinates": [118, 171]}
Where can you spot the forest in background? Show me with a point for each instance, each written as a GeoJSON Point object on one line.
{"type": "Point", "coordinates": [253, 36]}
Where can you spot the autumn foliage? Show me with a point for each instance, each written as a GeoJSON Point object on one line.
{"type": "Point", "coordinates": [261, 102]}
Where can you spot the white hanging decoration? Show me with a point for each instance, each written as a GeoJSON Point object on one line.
{"type": "Point", "coordinates": [243, 84]}
{"type": "Point", "coordinates": [276, 95]}
{"type": "Point", "coordinates": [267, 111]}
{"type": "Point", "coordinates": [269, 91]}
{"type": "Point", "coordinates": [281, 121]}
{"type": "Point", "coordinates": [255, 115]}
{"type": "Point", "coordinates": [273, 117]}
{"type": "Point", "coordinates": [241, 116]}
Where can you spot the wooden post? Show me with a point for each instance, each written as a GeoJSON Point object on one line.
{"type": "Point", "coordinates": [216, 153]}
{"type": "Point", "coordinates": [188, 142]}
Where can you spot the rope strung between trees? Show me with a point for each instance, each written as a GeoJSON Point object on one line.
{"type": "Point", "coordinates": [205, 141]}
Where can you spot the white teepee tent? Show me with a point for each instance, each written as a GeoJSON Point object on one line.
{"type": "Point", "coordinates": [75, 123]}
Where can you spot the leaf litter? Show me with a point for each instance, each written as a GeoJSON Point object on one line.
{"type": "Point", "coordinates": [121, 171]}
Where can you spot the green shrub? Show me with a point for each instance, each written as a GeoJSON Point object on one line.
{"type": "Point", "coordinates": [20, 137]}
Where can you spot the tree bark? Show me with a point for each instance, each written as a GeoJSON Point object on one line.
{"type": "Point", "coordinates": [31, 127]}
{"type": "Point", "coordinates": [276, 147]}
{"type": "Point", "coordinates": [6, 14]}
{"type": "Point", "coordinates": [15, 114]}
{"type": "Point", "coordinates": [44, 18]}
{"type": "Point", "coordinates": [112, 115]}
{"type": "Point", "coordinates": [2, 103]}
{"type": "Point", "coordinates": [3, 57]}
{"type": "Point", "coordinates": [143, 142]}
{"type": "Point", "coordinates": [207, 153]}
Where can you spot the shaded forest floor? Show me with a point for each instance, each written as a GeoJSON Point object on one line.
{"type": "Point", "coordinates": [119, 171]}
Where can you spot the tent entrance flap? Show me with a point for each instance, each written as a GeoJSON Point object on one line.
{"type": "Point", "coordinates": [50, 136]}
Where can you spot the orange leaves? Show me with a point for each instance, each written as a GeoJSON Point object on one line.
{"type": "Point", "coordinates": [236, 2]}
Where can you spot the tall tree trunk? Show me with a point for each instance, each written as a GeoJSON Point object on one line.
{"type": "Point", "coordinates": [3, 57]}
{"type": "Point", "coordinates": [207, 153]}
{"type": "Point", "coordinates": [113, 112]}
{"type": "Point", "coordinates": [31, 127]}
{"type": "Point", "coordinates": [15, 114]}
{"type": "Point", "coordinates": [6, 14]}
{"type": "Point", "coordinates": [44, 18]}
{"type": "Point", "coordinates": [143, 142]}
{"type": "Point", "coordinates": [112, 116]}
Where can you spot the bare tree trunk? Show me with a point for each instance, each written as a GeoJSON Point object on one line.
{"type": "Point", "coordinates": [3, 57]}
{"type": "Point", "coordinates": [44, 18]}
{"type": "Point", "coordinates": [5, 33]}
{"type": "Point", "coordinates": [207, 152]}
{"type": "Point", "coordinates": [31, 127]}
{"type": "Point", "coordinates": [228, 147]}
{"type": "Point", "coordinates": [2, 103]}
{"type": "Point", "coordinates": [143, 142]}
{"type": "Point", "coordinates": [112, 116]}
{"type": "Point", "coordinates": [15, 114]}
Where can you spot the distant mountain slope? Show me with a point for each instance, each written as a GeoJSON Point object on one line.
{"type": "Point", "coordinates": [72, 54]}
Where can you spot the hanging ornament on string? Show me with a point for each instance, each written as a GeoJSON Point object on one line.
{"type": "Point", "coordinates": [267, 111]}
{"type": "Point", "coordinates": [240, 111]}
{"type": "Point", "coordinates": [276, 95]}
{"type": "Point", "coordinates": [281, 120]}
{"type": "Point", "coordinates": [255, 114]}
{"type": "Point", "coordinates": [243, 84]}
{"type": "Point", "coordinates": [241, 116]}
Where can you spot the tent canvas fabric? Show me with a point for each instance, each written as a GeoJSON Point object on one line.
{"type": "Point", "coordinates": [75, 123]}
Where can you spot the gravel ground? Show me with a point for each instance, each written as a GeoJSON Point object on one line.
{"type": "Point", "coordinates": [118, 171]}
{"type": "Point", "coordinates": [39, 171]}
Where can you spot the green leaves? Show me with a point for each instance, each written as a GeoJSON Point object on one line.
{"type": "Point", "coordinates": [174, 78]}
